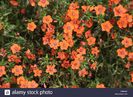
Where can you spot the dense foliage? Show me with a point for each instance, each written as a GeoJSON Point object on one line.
{"type": "Point", "coordinates": [66, 43]}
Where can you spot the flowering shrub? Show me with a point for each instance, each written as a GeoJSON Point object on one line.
{"type": "Point", "coordinates": [66, 44]}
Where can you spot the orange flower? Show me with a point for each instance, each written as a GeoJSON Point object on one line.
{"type": "Point", "coordinates": [130, 56]}
{"type": "Point", "coordinates": [29, 55]}
{"type": "Point", "coordinates": [75, 64]}
{"type": "Point", "coordinates": [81, 51]}
{"type": "Point", "coordinates": [64, 45]}
{"type": "Point", "coordinates": [15, 48]}
{"type": "Point", "coordinates": [130, 24]}
{"type": "Point", "coordinates": [68, 27]}
{"type": "Point", "coordinates": [67, 36]}
{"type": "Point", "coordinates": [54, 43]}
{"type": "Point", "coordinates": [79, 31]}
{"type": "Point", "coordinates": [95, 51]}
{"type": "Point", "coordinates": [127, 65]}
{"type": "Point", "coordinates": [79, 57]}
{"type": "Point", "coordinates": [74, 86]}
{"type": "Point", "coordinates": [43, 3]}
{"type": "Point", "coordinates": [31, 26]}
{"type": "Point", "coordinates": [91, 40]}
{"type": "Point", "coordinates": [32, 67]}
{"type": "Point", "coordinates": [88, 34]}
{"type": "Point", "coordinates": [32, 84]}
{"type": "Point", "coordinates": [2, 71]}
{"type": "Point", "coordinates": [127, 17]}
{"type": "Point", "coordinates": [115, 1]}
{"type": "Point", "coordinates": [93, 66]}
{"type": "Point", "coordinates": [122, 23]}
{"type": "Point", "coordinates": [75, 23]}
{"type": "Point", "coordinates": [61, 55]}
{"type": "Point", "coordinates": [89, 23]}
{"type": "Point", "coordinates": [47, 19]}
{"type": "Point", "coordinates": [85, 8]}
{"type": "Point", "coordinates": [32, 2]}
{"type": "Point", "coordinates": [14, 58]}
{"type": "Point", "coordinates": [24, 84]}
{"type": "Point", "coordinates": [44, 27]}
{"type": "Point", "coordinates": [113, 35]}
{"type": "Point", "coordinates": [3, 52]}
{"type": "Point", "coordinates": [73, 6]}
{"type": "Point", "coordinates": [17, 70]}
{"type": "Point", "coordinates": [5, 85]}
{"type": "Point", "coordinates": [119, 10]}
{"type": "Point", "coordinates": [131, 79]}
{"type": "Point", "coordinates": [83, 72]}
{"type": "Point", "coordinates": [70, 42]}
{"type": "Point", "coordinates": [73, 14]}
{"type": "Point", "coordinates": [45, 40]}
{"type": "Point", "coordinates": [127, 42]}
{"type": "Point", "coordinates": [100, 10]}
{"type": "Point", "coordinates": [50, 29]}
{"type": "Point", "coordinates": [20, 80]}
{"type": "Point", "coordinates": [73, 54]}
{"type": "Point", "coordinates": [65, 64]}
{"type": "Point", "coordinates": [100, 86]}
{"type": "Point", "coordinates": [14, 2]}
{"type": "Point", "coordinates": [122, 52]}
{"type": "Point", "coordinates": [51, 69]}
{"type": "Point", "coordinates": [37, 72]}
{"type": "Point", "coordinates": [82, 43]}
{"type": "Point", "coordinates": [131, 74]}
{"type": "Point", "coordinates": [106, 26]}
